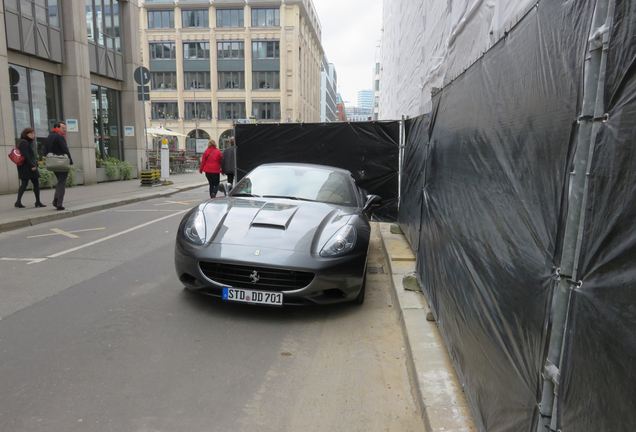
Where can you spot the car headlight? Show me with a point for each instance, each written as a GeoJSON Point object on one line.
{"type": "Point", "coordinates": [341, 242]}
{"type": "Point", "coordinates": [194, 229]}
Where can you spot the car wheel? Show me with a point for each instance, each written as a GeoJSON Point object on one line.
{"type": "Point", "coordinates": [360, 299]}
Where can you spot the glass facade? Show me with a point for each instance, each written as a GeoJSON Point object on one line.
{"type": "Point", "coordinates": [36, 101]}
{"type": "Point", "coordinates": [107, 122]}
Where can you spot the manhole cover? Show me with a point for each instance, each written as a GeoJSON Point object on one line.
{"type": "Point", "coordinates": [376, 270]}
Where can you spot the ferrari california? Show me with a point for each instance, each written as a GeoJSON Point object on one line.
{"type": "Point", "coordinates": [286, 234]}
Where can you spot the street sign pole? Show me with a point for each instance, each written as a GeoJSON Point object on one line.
{"type": "Point", "coordinates": [143, 104]}
{"type": "Point", "coordinates": [142, 77]}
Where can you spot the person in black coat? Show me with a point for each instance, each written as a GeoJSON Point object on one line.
{"type": "Point", "coordinates": [29, 169]}
{"type": "Point", "coordinates": [229, 161]}
{"type": "Point", "coordinates": [56, 144]}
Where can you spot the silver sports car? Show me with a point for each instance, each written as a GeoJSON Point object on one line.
{"type": "Point", "coordinates": [287, 234]}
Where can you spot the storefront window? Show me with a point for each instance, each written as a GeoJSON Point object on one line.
{"type": "Point", "coordinates": [106, 122]}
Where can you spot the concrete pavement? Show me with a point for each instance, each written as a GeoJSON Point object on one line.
{"type": "Point", "coordinates": [434, 380]}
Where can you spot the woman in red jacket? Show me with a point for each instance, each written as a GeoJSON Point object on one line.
{"type": "Point", "coordinates": [211, 165]}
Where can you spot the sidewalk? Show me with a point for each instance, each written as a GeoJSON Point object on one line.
{"type": "Point", "coordinates": [80, 200]}
{"type": "Point", "coordinates": [437, 389]}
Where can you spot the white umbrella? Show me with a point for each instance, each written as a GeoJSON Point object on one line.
{"type": "Point", "coordinates": [162, 132]}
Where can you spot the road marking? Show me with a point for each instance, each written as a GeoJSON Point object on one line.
{"type": "Point", "coordinates": [32, 260]}
{"type": "Point", "coordinates": [70, 234]}
{"type": "Point", "coordinates": [115, 235]}
{"type": "Point", "coordinates": [38, 260]}
{"type": "Point", "coordinates": [180, 202]}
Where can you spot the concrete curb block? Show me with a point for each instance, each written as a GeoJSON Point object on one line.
{"type": "Point", "coordinates": [438, 392]}
{"type": "Point", "coordinates": [93, 207]}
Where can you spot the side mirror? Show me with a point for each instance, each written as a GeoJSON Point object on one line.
{"type": "Point", "coordinates": [372, 200]}
{"type": "Point", "coordinates": [225, 187]}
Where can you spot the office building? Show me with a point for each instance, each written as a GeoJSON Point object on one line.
{"type": "Point", "coordinates": [71, 60]}
{"type": "Point", "coordinates": [328, 88]}
{"type": "Point", "coordinates": [214, 63]}
{"type": "Point", "coordinates": [365, 99]}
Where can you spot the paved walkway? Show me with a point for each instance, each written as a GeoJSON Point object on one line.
{"type": "Point", "coordinates": [437, 389]}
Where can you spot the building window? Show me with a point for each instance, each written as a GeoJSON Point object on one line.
{"type": "Point", "coordinates": [265, 49]}
{"type": "Point", "coordinates": [196, 50]}
{"type": "Point", "coordinates": [162, 51]}
{"type": "Point", "coordinates": [265, 17]}
{"type": "Point", "coordinates": [232, 80]}
{"type": "Point", "coordinates": [230, 50]}
{"type": "Point", "coordinates": [46, 12]}
{"type": "Point", "coordinates": [266, 110]}
{"type": "Point", "coordinates": [197, 80]}
{"type": "Point", "coordinates": [229, 18]}
{"type": "Point", "coordinates": [232, 110]}
{"type": "Point", "coordinates": [102, 22]}
{"type": "Point", "coordinates": [37, 102]}
{"type": "Point", "coordinates": [160, 19]}
{"type": "Point", "coordinates": [106, 122]}
{"type": "Point", "coordinates": [195, 18]}
{"type": "Point", "coordinates": [163, 80]}
{"type": "Point", "coordinates": [198, 110]}
{"type": "Point", "coordinates": [165, 110]}
{"type": "Point", "coordinates": [266, 80]}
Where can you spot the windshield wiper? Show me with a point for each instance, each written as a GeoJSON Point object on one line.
{"type": "Point", "coordinates": [246, 195]}
{"type": "Point", "coordinates": [288, 197]}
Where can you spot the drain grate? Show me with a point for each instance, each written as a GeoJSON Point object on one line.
{"type": "Point", "coordinates": [376, 270]}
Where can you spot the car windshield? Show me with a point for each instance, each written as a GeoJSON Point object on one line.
{"type": "Point", "coordinates": [305, 183]}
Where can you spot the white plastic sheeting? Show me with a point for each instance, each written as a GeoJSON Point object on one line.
{"type": "Point", "coordinates": [427, 43]}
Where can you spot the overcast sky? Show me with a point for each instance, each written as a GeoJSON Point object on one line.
{"type": "Point", "coordinates": [350, 29]}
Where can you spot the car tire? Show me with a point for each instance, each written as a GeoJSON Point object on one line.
{"type": "Point", "coordinates": [360, 298]}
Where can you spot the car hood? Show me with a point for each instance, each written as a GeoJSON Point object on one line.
{"type": "Point", "coordinates": [273, 223]}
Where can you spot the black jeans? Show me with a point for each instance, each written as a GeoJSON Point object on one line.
{"type": "Point", "coordinates": [213, 179]}
{"type": "Point", "coordinates": [230, 178]}
{"type": "Point", "coordinates": [36, 189]}
{"type": "Point", "coordinates": [60, 188]}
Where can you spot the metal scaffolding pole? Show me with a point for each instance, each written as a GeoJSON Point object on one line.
{"type": "Point", "coordinates": [592, 114]}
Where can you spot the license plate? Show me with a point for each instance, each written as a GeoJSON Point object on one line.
{"type": "Point", "coordinates": [251, 296]}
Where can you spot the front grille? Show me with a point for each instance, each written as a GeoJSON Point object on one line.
{"type": "Point", "coordinates": [270, 279]}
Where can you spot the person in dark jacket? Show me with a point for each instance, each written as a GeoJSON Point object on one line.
{"type": "Point", "coordinates": [56, 144]}
{"type": "Point", "coordinates": [229, 161]}
{"type": "Point", "coordinates": [29, 169]}
{"type": "Point", "coordinates": [211, 165]}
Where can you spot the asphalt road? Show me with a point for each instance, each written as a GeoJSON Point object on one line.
{"type": "Point", "coordinates": [97, 334]}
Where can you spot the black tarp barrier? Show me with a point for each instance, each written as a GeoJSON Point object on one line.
{"type": "Point", "coordinates": [493, 208]}
{"type": "Point", "coordinates": [598, 391]}
{"type": "Point", "coordinates": [370, 150]}
{"type": "Point", "coordinates": [415, 152]}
